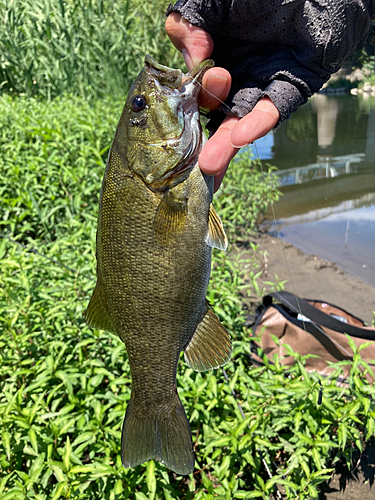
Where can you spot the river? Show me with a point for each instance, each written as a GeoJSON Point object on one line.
{"type": "Point", "coordinates": [325, 155]}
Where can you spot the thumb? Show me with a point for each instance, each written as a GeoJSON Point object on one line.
{"type": "Point", "coordinates": [195, 43]}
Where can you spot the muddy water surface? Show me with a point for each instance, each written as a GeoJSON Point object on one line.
{"type": "Point", "coordinates": [325, 154]}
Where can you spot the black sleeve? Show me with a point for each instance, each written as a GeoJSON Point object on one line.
{"type": "Point", "coordinates": [283, 49]}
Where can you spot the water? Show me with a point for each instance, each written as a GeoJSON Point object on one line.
{"type": "Point", "coordinates": [325, 154]}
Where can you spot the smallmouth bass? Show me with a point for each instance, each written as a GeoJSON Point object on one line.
{"type": "Point", "coordinates": [156, 227]}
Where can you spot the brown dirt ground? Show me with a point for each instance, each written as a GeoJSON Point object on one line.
{"type": "Point", "coordinates": [311, 277]}
{"type": "Point", "coordinates": [314, 278]}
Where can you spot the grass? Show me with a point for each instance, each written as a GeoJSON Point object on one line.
{"type": "Point", "coordinates": [87, 47]}
{"type": "Point", "coordinates": [64, 387]}
{"type": "Point", "coordinates": [245, 195]}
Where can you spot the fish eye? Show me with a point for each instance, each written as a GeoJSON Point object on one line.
{"type": "Point", "coordinates": [139, 103]}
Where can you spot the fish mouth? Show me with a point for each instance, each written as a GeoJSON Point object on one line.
{"type": "Point", "coordinates": [184, 90]}
{"type": "Point", "coordinates": [174, 78]}
{"type": "Point", "coordinates": [169, 77]}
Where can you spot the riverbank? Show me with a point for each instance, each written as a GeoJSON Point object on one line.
{"type": "Point", "coordinates": [312, 277]}
{"type": "Point", "coordinates": [357, 81]}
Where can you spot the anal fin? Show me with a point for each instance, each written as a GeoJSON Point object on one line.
{"type": "Point", "coordinates": [216, 236]}
{"type": "Point", "coordinates": [96, 313]}
{"type": "Point", "coordinates": [211, 346]}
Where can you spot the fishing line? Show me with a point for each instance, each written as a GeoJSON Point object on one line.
{"type": "Point", "coordinates": [278, 236]}
{"type": "Point", "coordinates": [213, 95]}
{"type": "Point", "coordinates": [282, 249]}
{"type": "Point", "coordinates": [273, 215]}
{"type": "Point", "coordinates": [290, 277]}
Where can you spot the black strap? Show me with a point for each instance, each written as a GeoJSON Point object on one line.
{"type": "Point", "coordinates": [299, 305]}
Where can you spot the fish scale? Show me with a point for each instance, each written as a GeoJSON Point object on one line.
{"type": "Point", "coordinates": [156, 227]}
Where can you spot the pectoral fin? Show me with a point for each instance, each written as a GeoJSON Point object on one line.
{"type": "Point", "coordinates": [216, 236]}
{"type": "Point", "coordinates": [210, 346]}
{"type": "Point", "coordinates": [96, 313]}
{"type": "Point", "coordinates": [170, 217]}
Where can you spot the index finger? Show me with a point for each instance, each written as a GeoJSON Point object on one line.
{"type": "Point", "coordinates": [196, 46]}
{"type": "Point", "coordinates": [233, 134]}
{"type": "Point", "coordinates": [195, 43]}
{"type": "Point", "coordinates": [256, 124]}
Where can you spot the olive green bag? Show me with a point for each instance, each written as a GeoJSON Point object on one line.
{"type": "Point", "coordinates": [310, 327]}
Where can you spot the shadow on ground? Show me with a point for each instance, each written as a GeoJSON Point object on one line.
{"type": "Point", "coordinates": [357, 484]}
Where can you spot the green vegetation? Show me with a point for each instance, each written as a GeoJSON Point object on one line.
{"type": "Point", "coordinates": [343, 84]}
{"type": "Point", "coordinates": [359, 68]}
{"type": "Point", "coordinates": [64, 387]}
{"type": "Point", "coordinates": [302, 128]}
{"type": "Point", "coordinates": [87, 47]}
{"type": "Point", "coordinates": [366, 61]}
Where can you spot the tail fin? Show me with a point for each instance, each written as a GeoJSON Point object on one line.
{"type": "Point", "coordinates": [163, 435]}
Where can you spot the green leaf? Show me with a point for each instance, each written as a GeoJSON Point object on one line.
{"type": "Point", "coordinates": [343, 435]}
{"type": "Point", "coordinates": [58, 491]}
{"type": "Point", "coordinates": [58, 473]}
{"type": "Point", "coordinates": [67, 453]}
{"type": "Point", "coordinates": [37, 467]}
{"type": "Point", "coordinates": [218, 443]}
{"type": "Point", "coordinates": [118, 489]}
{"type": "Point", "coordinates": [316, 457]}
{"type": "Point", "coordinates": [33, 440]}
{"type": "Point", "coordinates": [247, 494]}
{"type": "Point", "coordinates": [305, 467]}
{"type": "Point", "coordinates": [14, 494]}
{"type": "Point", "coordinates": [150, 479]}
{"type": "Point", "coordinates": [5, 439]}
{"type": "Point", "coordinates": [140, 496]}
{"type": "Point", "coordinates": [4, 481]}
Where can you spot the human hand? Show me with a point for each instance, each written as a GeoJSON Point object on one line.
{"type": "Point", "coordinates": [196, 46]}
{"type": "Point", "coordinates": [278, 54]}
